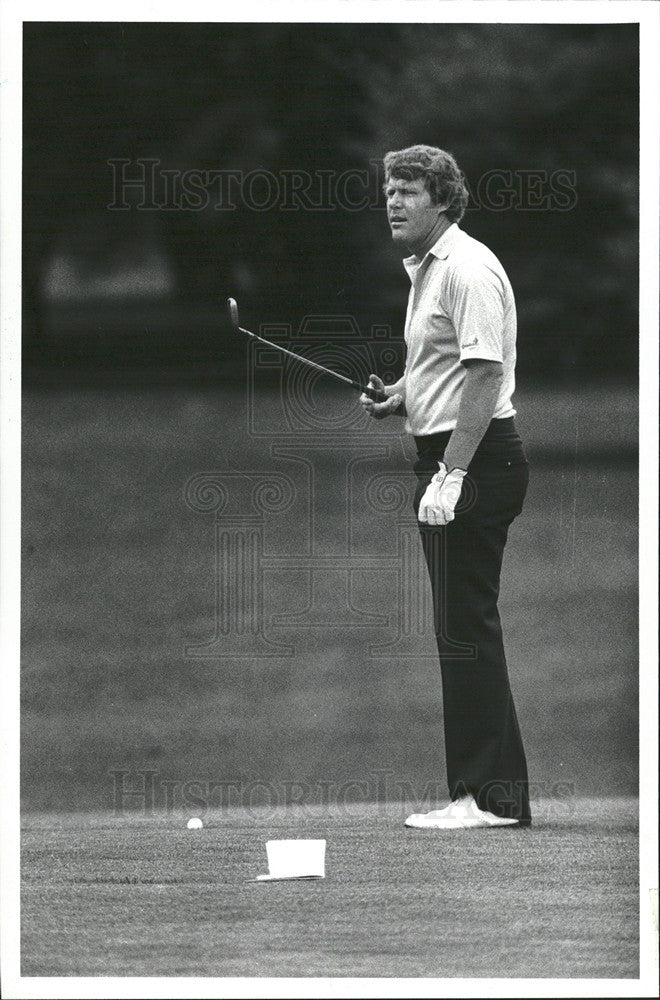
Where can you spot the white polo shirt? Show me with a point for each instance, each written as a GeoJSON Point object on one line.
{"type": "Point", "coordinates": [460, 306]}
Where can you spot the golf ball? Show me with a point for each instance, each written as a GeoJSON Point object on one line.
{"type": "Point", "coordinates": [195, 823]}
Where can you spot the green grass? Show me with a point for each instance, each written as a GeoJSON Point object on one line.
{"type": "Point", "coordinates": [118, 577]}
{"type": "Point", "coordinates": [133, 895]}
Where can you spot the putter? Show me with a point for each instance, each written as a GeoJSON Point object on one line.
{"type": "Point", "coordinates": [375, 394]}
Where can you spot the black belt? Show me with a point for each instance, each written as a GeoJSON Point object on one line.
{"type": "Point", "coordinates": [501, 439]}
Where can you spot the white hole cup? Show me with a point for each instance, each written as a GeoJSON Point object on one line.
{"type": "Point", "coordinates": [296, 858]}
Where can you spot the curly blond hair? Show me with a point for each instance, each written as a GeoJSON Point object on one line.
{"type": "Point", "coordinates": [438, 169]}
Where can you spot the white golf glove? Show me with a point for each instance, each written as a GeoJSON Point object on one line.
{"type": "Point", "coordinates": [441, 496]}
{"type": "Point", "coordinates": [380, 410]}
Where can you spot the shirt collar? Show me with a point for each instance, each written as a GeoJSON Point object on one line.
{"type": "Point", "coordinates": [440, 249]}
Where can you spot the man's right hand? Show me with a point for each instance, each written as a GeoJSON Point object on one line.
{"type": "Point", "coordinates": [380, 410]}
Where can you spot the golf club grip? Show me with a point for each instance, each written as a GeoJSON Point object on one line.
{"type": "Point", "coordinates": [375, 394]}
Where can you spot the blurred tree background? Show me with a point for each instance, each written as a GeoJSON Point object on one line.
{"type": "Point", "coordinates": [120, 289]}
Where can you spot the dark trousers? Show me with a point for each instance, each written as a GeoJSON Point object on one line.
{"type": "Point", "coordinates": [483, 745]}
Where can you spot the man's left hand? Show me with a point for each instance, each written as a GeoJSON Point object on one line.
{"type": "Point", "coordinates": [441, 496]}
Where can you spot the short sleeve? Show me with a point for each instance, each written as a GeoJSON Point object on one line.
{"type": "Point", "coordinates": [475, 304]}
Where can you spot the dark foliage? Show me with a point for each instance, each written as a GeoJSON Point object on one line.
{"type": "Point", "coordinates": [543, 120]}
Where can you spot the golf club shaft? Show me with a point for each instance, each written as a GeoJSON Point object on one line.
{"type": "Point", "coordinates": [374, 394]}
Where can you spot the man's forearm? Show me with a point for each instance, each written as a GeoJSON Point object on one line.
{"type": "Point", "coordinates": [481, 388]}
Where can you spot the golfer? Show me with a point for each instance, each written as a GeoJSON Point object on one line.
{"type": "Point", "coordinates": [472, 474]}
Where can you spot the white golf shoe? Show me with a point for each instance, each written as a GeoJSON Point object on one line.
{"type": "Point", "coordinates": [464, 814]}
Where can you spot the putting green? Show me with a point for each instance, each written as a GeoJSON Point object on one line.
{"type": "Point", "coordinates": [133, 895]}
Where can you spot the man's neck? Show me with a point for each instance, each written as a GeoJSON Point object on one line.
{"type": "Point", "coordinates": [441, 226]}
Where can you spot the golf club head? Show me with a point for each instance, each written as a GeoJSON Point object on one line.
{"type": "Point", "coordinates": [233, 313]}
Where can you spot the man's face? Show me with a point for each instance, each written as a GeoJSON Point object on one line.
{"type": "Point", "coordinates": [410, 211]}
